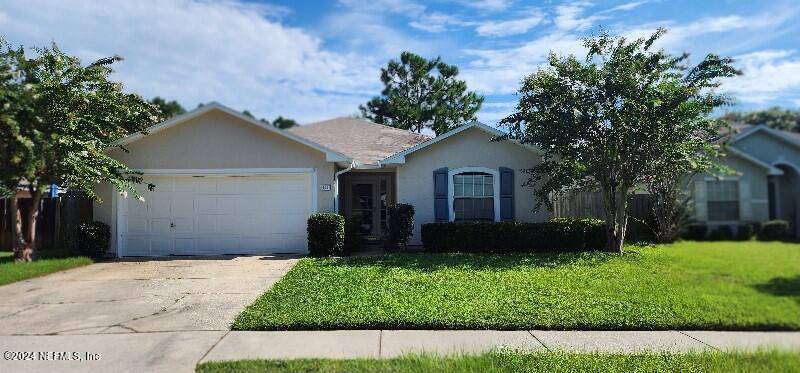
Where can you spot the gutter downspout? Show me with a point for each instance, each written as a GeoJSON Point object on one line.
{"type": "Point", "coordinates": [336, 185]}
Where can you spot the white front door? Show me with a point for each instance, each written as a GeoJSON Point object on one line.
{"type": "Point", "coordinates": [207, 215]}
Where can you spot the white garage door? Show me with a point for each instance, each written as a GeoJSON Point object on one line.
{"type": "Point", "coordinates": [188, 215]}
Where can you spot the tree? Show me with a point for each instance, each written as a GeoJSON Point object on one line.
{"type": "Point", "coordinates": [284, 123]}
{"type": "Point", "coordinates": [58, 119]}
{"type": "Point", "coordinates": [615, 119]}
{"type": "Point", "coordinates": [420, 93]}
{"type": "Point", "coordinates": [168, 109]}
{"type": "Point", "coordinates": [775, 117]}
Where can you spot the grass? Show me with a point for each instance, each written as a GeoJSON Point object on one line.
{"type": "Point", "coordinates": [688, 285]}
{"type": "Point", "coordinates": [48, 263]}
{"type": "Point", "coordinates": [761, 361]}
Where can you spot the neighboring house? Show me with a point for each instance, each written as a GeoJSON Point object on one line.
{"type": "Point", "coordinates": [766, 184]}
{"type": "Point", "coordinates": [229, 184]}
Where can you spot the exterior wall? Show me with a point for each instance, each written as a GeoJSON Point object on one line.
{"type": "Point", "coordinates": [217, 140]}
{"type": "Point", "coordinates": [769, 148]}
{"type": "Point", "coordinates": [753, 203]}
{"type": "Point", "coordinates": [469, 148]}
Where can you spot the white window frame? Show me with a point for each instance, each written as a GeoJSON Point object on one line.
{"type": "Point", "coordinates": [735, 179]}
{"type": "Point", "coordinates": [451, 188]}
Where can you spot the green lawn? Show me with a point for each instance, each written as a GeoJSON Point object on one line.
{"type": "Point", "coordinates": [763, 361]}
{"type": "Point", "coordinates": [688, 285]}
{"type": "Point", "coordinates": [12, 272]}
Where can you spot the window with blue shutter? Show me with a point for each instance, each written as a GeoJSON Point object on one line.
{"type": "Point", "coordinates": [440, 195]}
{"type": "Point", "coordinates": [506, 194]}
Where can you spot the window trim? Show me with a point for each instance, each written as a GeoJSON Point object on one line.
{"type": "Point", "coordinates": [451, 213]}
{"type": "Point", "coordinates": [736, 179]}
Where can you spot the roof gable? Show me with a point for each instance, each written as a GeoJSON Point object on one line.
{"type": "Point", "coordinates": [330, 155]}
{"type": "Point", "coordinates": [790, 138]}
{"type": "Point", "coordinates": [400, 157]}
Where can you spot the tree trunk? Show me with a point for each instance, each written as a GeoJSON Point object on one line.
{"type": "Point", "coordinates": [616, 217]}
{"type": "Point", "coordinates": [22, 248]}
{"type": "Point", "coordinates": [33, 215]}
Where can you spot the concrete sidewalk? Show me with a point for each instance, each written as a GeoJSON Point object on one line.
{"type": "Point", "coordinates": [181, 351]}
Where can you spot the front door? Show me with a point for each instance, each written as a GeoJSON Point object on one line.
{"type": "Point", "coordinates": [362, 207]}
{"type": "Point", "coordinates": [366, 199]}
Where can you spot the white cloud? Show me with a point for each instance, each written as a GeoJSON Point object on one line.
{"type": "Point", "coordinates": [395, 6]}
{"type": "Point", "coordinates": [569, 16]}
{"type": "Point", "coordinates": [511, 27]}
{"type": "Point", "coordinates": [500, 71]}
{"type": "Point", "coordinates": [437, 22]}
{"type": "Point", "coordinates": [768, 75]}
{"type": "Point", "coordinates": [196, 52]}
{"type": "Point", "coordinates": [490, 5]}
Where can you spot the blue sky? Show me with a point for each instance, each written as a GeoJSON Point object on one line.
{"type": "Point", "coordinates": [313, 60]}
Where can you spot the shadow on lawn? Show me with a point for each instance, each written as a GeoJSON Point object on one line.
{"type": "Point", "coordinates": [782, 287]}
{"type": "Point", "coordinates": [442, 261]}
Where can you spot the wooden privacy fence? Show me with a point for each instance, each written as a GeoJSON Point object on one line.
{"type": "Point", "coordinates": [589, 204]}
{"type": "Point", "coordinates": [57, 221]}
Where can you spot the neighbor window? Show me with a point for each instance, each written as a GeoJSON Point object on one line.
{"type": "Point", "coordinates": [723, 200]}
{"type": "Point", "coordinates": [473, 196]}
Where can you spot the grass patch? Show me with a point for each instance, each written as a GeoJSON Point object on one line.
{"type": "Point", "coordinates": [48, 263]}
{"type": "Point", "coordinates": [762, 361]}
{"type": "Point", "coordinates": [688, 285]}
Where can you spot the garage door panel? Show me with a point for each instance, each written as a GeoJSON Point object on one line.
{"type": "Point", "coordinates": [219, 215]}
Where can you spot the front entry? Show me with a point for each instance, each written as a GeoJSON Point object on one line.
{"type": "Point", "coordinates": [366, 200]}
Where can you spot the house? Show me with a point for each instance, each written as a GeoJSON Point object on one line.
{"type": "Point", "coordinates": [229, 184]}
{"type": "Point", "coordinates": [765, 186]}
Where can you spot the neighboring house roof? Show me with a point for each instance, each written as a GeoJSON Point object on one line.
{"type": "Point", "coordinates": [365, 142]}
{"type": "Point", "coordinates": [744, 130]}
{"type": "Point", "coordinates": [330, 154]}
{"type": "Point", "coordinates": [400, 157]}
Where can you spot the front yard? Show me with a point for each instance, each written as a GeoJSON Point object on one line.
{"type": "Point", "coordinates": [688, 285]}
{"type": "Point", "coordinates": [13, 272]}
{"type": "Point", "coordinates": [762, 361]}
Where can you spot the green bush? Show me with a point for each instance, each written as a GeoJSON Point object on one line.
{"type": "Point", "coordinates": [745, 232]}
{"type": "Point", "coordinates": [353, 239]}
{"type": "Point", "coordinates": [696, 232]}
{"type": "Point", "coordinates": [92, 239]}
{"type": "Point", "coordinates": [774, 230]}
{"type": "Point", "coordinates": [325, 234]}
{"type": "Point", "coordinates": [721, 233]}
{"type": "Point", "coordinates": [401, 225]}
{"type": "Point", "coordinates": [556, 235]}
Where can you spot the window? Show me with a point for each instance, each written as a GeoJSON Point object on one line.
{"type": "Point", "coordinates": [723, 200]}
{"type": "Point", "coordinates": [473, 196]}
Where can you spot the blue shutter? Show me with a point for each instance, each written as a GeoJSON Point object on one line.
{"type": "Point", "coordinates": [506, 194]}
{"type": "Point", "coordinates": [440, 212]}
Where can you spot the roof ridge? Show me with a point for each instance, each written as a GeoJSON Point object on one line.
{"type": "Point", "coordinates": [368, 122]}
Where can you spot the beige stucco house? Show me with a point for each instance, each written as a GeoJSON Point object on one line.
{"type": "Point", "coordinates": [229, 184]}
{"type": "Point", "coordinates": [765, 184]}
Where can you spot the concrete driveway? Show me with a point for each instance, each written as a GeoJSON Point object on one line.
{"type": "Point", "coordinates": [138, 313]}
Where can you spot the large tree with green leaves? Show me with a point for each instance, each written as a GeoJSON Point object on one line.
{"type": "Point", "coordinates": [775, 117]}
{"type": "Point", "coordinates": [615, 119]}
{"type": "Point", "coordinates": [58, 119]}
{"type": "Point", "coordinates": [420, 93]}
{"type": "Point", "coordinates": [168, 109]}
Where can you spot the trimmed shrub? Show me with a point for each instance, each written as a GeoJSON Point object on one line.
{"type": "Point", "coordinates": [501, 237]}
{"type": "Point", "coordinates": [401, 225]}
{"type": "Point", "coordinates": [774, 230]}
{"type": "Point", "coordinates": [721, 233]}
{"type": "Point", "coordinates": [745, 232]}
{"type": "Point", "coordinates": [353, 239]}
{"type": "Point", "coordinates": [92, 239]}
{"type": "Point", "coordinates": [325, 234]}
{"type": "Point", "coordinates": [695, 232]}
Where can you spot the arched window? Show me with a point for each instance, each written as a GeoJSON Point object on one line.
{"type": "Point", "coordinates": [473, 196]}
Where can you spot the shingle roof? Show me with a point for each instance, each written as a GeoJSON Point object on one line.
{"type": "Point", "coordinates": [359, 139]}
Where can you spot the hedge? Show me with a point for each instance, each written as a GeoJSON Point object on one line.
{"type": "Point", "coordinates": [554, 235]}
{"type": "Point", "coordinates": [401, 225]}
{"type": "Point", "coordinates": [774, 230]}
{"type": "Point", "coordinates": [325, 234]}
